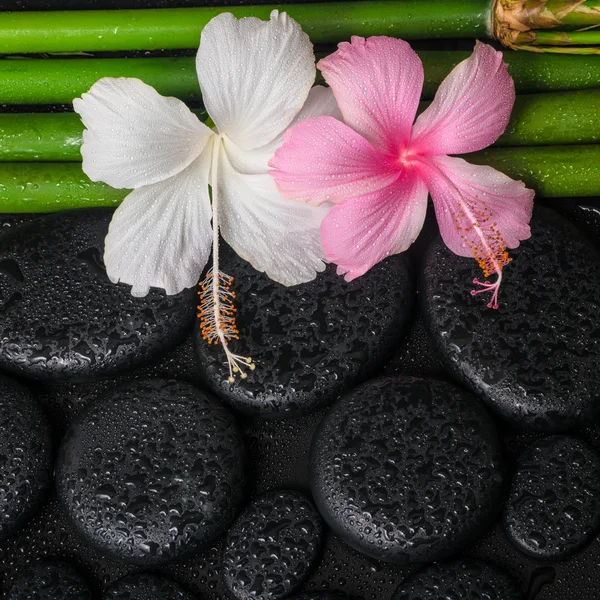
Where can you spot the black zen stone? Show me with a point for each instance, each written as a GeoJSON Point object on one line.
{"type": "Point", "coordinates": [535, 360]}
{"type": "Point", "coordinates": [407, 470]}
{"type": "Point", "coordinates": [463, 579]}
{"type": "Point", "coordinates": [62, 318]}
{"type": "Point", "coordinates": [584, 212]}
{"type": "Point", "coordinates": [26, 458]}
{"type": "Point", "coordinates": [146, 586]}
{"type": "Point", "coordinates": [319, 596]}
{"type": "Point", "coordinates": [310, 342]}
{"type": "Point", "coordinates": [273, 546]}
{"type": "Point", "coordinates": [554, 504]}
{"type": "Point", "coordinates": [152, 472]}
{"type": "Point", "coordinates": [50, 580]}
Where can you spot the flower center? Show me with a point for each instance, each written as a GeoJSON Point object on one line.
{"type": "Point", "coordinates": [406, 158]}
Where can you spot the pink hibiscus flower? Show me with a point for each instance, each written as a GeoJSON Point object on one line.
{"type": "Point", "coordinates": [377, 167]}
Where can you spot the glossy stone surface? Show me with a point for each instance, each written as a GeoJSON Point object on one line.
{"type": "Point", "coordinates": [26, 457]}
{"type": "Point", "coordinates": [319, 596]}
{"type": "Point", "coordinates": [584, 212]}
{"type": "Point", "coordinates": [535, 360]}
{"type": "Point", "coordinates": [152, 472]}
{"type": "Point", "coordinates": [50, 580]}
{"type": "Point", "coordinates": [554, 505]}
{"type": "Point", "coordinates": [310, 342]}
{"type": "Point", "coordinates": [146, 586]}
{"type": "Point", "coordinates": [407, 470]}
{"type": "Point", "coordinates": [61, 317]}
{"type": "Point", "coordinates": [463, 579]}
{"type": "Point", "coordinates": [273, 546]}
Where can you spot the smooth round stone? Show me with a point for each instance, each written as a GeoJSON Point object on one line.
{"type": "Point", "coordinates": [311, 342]}
{"type": "Point", "coordinates": [536, 360]}
{"type": "Point", "coordinates": [152, 472]}
{"type": "Point", "coordinates": [50, 580]}
{"type": "Point", "coordinates": [554, 504]}
{"type": "Point", "coordinates": [584, 212]}
{"type": "Point", "coordinates": [146, 586]}
{"type": "Point", "coordinates": [320, 596]}
{"type": "Point", "coordinates": [407, 470]}
{"type": "Point", "coordinates": [459, 580]}
{"type": "Point", "coordinates": [273, 546]}
{"type": "Point", "coordinates": [61, 317]}
{"type": "Point", "coordinates": [26, 457]}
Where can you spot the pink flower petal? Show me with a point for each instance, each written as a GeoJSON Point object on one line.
{"type": "Point", "coordinates": [480, 211]}
{"type": "Point", "coordinates": [362, 231]}
{"type": "Point", "coordinates": [471, 108]}
{"type": "Point", "coordinates": [323, 160]}
{"type": "Point", "coordinates": [377, 83]}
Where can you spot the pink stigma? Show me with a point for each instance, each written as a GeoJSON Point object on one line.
{"type": "Point", "coordinates": [486, 286]}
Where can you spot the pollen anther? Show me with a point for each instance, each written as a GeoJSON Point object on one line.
{"type": "Point", "coordinates": [217, 315]}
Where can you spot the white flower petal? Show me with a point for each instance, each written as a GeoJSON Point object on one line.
{"type": "Point", "coordinates": [320, 102]}
{"type": "Point", "coordinates": [276, 236]}
{"type": "Point", "coordinates": [254, 75]}
{"type": "Point", "coordinates": [160, 236]}
{"type": "Point", "coordinates": [134, 136]}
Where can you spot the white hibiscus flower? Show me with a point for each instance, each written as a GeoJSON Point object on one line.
{"type": "Point", "coordinates": [256, 78]}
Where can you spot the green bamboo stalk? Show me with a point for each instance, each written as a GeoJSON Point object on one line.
{"type": "Point", "coordinates": [325, 23]}
{"type": "Point", "coordinates": [553, 171]}
{"type": "Point", "coordinates": [40, 137]}
{"type": "Point", "coordinates": [567, 38]}
{"type": "Point", "coordinates": [554, 119]}
{"type": "Point", "coordinates": [558, 118]}
{"type": "Point", "coordinates": [562, 50]}
{"type": "Point", "coordinates": [51, 187]}
{"type": "Point", "coordinates": [537, 25]}
{"type": "Point", "coordinates": [58, 81]}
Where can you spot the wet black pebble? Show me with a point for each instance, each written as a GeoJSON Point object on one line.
{"type": "Point", "coordinates": [26, 457]}
{"type": "Point", "coordinates": [584, 212]}
{"type": "Point", "coordinates": [554, 504]}
{"type": "Point", "coordinates": [152, 472]}
{"type": "Point", "coordinates": [407, 470]}
{"type": "Point", "coordinates": [463, 579]}
{"type": "Point", "coordinates": [146, 586]}
{"type": "Point", "coordinates": [320, 596]}
{"type": "Point", "coordinates": [310, 342]}
{"type": "Point", "coordinates": [50, 580]}
{"type": "Point", "coordinates": [273, 546]}
{"type": "Point", "coordinates": [535, 360]}
{"type": "Point", "coordinates": [61, 317]}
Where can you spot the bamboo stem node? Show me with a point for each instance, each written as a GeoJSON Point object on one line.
{"type": "Point", "coordinates": [559, 26]}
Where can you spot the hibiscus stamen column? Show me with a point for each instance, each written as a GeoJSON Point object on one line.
{"type": "Point", "coordinates": [489, 247]}
{"type": "Point", "coordinates": [487, 286]}
{"type": "Point", "coordinates": [217, 310]}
